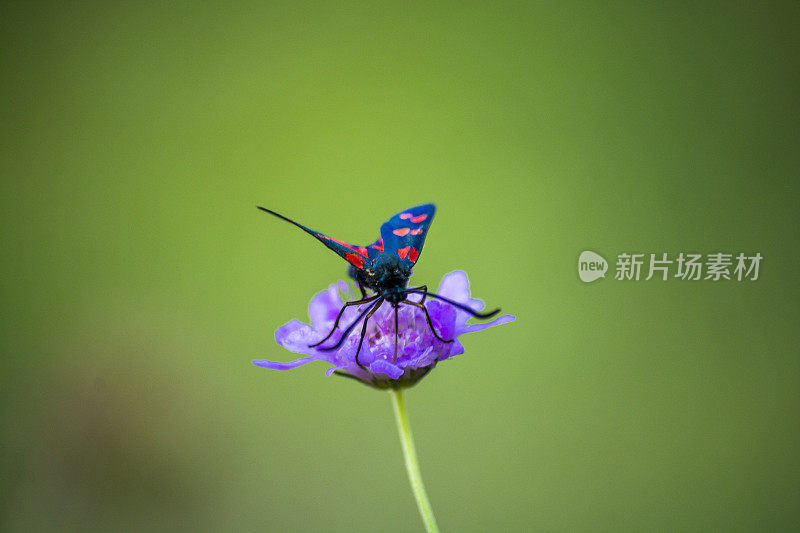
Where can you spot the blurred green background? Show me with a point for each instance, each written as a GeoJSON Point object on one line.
{"type": "Point", "coordinates": [139, 281]}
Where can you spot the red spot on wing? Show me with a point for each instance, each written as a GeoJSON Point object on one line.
{"type": "Point", "coordinates": [402, 232]}
{"type": "Point", "coordinates": [378, 245]}
{"type": "Point", "coordinates": [342, 243]}
{"type": "Point", "coordinates": [420, 218]}
{"type": "Point", "coordinates": [355, 260]}
{"type": "Point", "coordinates": [402, 252]}
{"type": "Point", "coordinates": [416, 231]}
{"type": "Point", "coordinates": [413, 254]}
{"type": "Point", "coordinates": [321, 236]}
{"type": "Point", "coordinates": [361, 250]}
{"type": "Point", "coordinates": [405, 216]}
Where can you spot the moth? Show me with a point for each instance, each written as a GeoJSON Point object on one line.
{"type": "Point", "coordinates": [384, 268]}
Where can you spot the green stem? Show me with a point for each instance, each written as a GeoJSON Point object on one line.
{"type": "Point", "coordinates": [412, 465]}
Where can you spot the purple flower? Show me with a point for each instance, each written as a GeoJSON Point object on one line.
{"type": "Point", "coordinates": [418, 350]}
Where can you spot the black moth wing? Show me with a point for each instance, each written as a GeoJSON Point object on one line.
{"type": "Point", "coordinates": [404, 234]}
{"type": "Point", "coordinates": [355, 255]}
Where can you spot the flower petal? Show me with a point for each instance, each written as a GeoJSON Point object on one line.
{"type": "Point", "coordinates": [456, 348]}
{"type": "Point", "coordinates": [445, 317]}
{"type": "Point", "coordinates": [284, 366]}
{"type": "Point", "coordinates": [296, 337]}
{"type": "Point", "coordinates": [324, 306]}
{"type": "Point", "coordinates": [379, 366]}
{"type": "Point", "coordinates": [455, 286]}
{"type": "Point", "coordinates": [496, 322]}
{"type": "Point", "coordinates": [333, 369]}
{"type": "Point", "coordinates": [342, 286]}
{"type": "Point", "coordinates": [423, 359]}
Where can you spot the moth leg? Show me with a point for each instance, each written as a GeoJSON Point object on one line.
{"type": "Point", "coordinates": [347, 331]}
{"type": "Point", "coordinates": [428, 318]}
{"type": "Point", "coordinates": [364, 331]}
{"type": "Point", "coordinates": [422, 289]}
{"type": "Point", "coordinates": [361, 288]}
{"type": "Point", "coordinates": [339, 317]}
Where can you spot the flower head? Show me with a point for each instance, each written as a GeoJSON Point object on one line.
{"type": "Point", "coordinates": [418, 350]}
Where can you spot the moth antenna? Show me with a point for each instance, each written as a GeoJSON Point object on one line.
{"type": "Point", "coordinates": [290, 221]}
{"type": "Point", "coordinates": [346, 251]}
{"type": "Point", "coordinates": [456, 304]}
